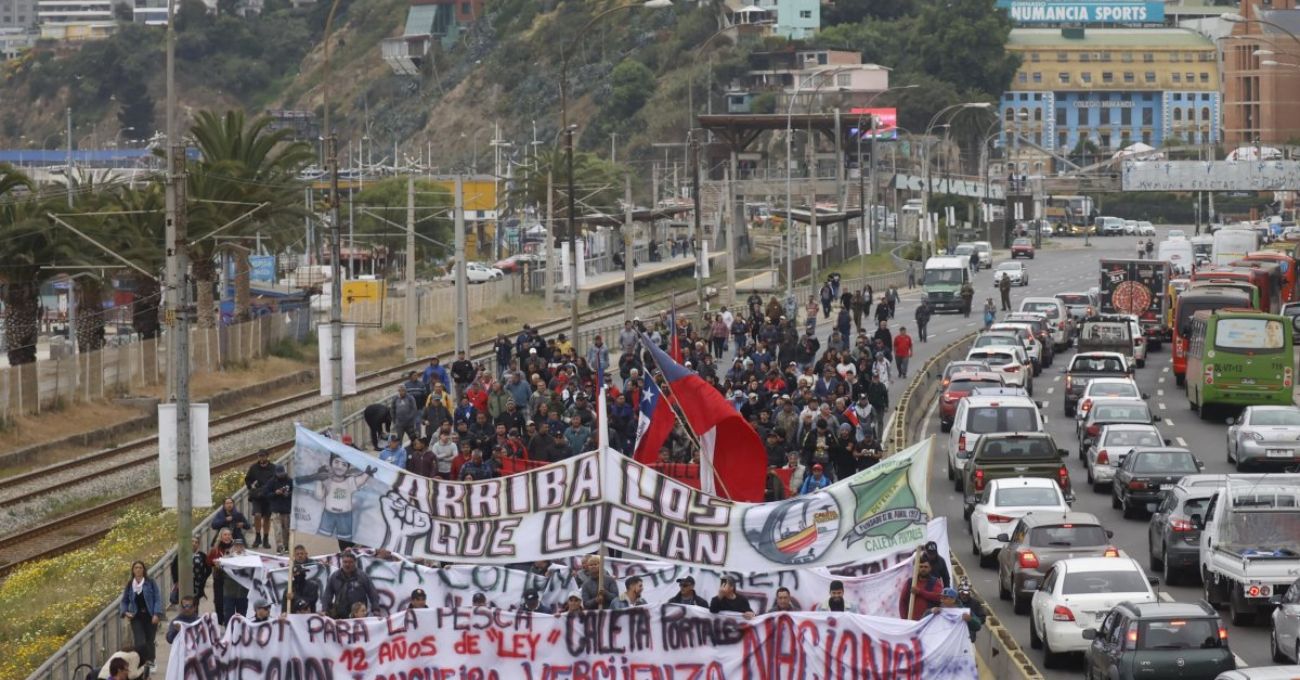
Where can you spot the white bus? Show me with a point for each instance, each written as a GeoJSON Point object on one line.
{"type": "Point", "coordinates": [1231, 245]}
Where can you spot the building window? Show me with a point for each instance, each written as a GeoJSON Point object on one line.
{"type": "Point", "coordinates": [1105, 141]}
{"type": "Point", "coordinates": [1086, 77]}
{"type": "Point", "coordinates": [844, 79]}
{"type": "Point", "coordinates": [1148, 115]}
{"type": "Point", "coordinates": [1177, 96]}
{"type": "Point", "coordinates": [1064, 77]}
{"type": "Point", "coordinates": [1062, 139]}
{"type": "Point", "coordinates": [1191, 77]}
{"type": "Point", "coordinates": [1024, 114]}
{"type": "Point", "coordinates": [1024, 77]}
{"type": "Point", "coordinates": [1207, 56]}
{"type": "Point", "coordinates": [1105, 56]}
{"type": "Point", "coordinates": [1126, 57]}
{"type": "Point", "coordinates": [1010, 114]}
{"type": "Point", "coordinates": [1033, 56]}
{"type": "Point", "coordinates": [1060, 115]}
{"type": "Point", "coordinates": [1038, 77]}
{"type": "Point", "coordinates": [1205, 114]}
{"type": "Point", "coordinates": [1178, 115]}
{"type": "Point", "coordinates": [1107, 77]}
{"type": "Point", "coordinates": [1062, 57]}
{"type": "Point", "coordinates": [464, 8]}
{"type": "Point", "coordinates": [805, 14]}
{"type": "Point", "coordinates": [1084, 57]}
{"type": "Point", "coordinates": [1150, 76]}
{"type": "Point", "coordinates": [1146, 138]}
{"type": "Point", "coordinates": [1038, 115]}
{"type": "Point", "coordinates": [1128, 77]}
{"type": "Point", "coordinates": [1173, 56]}
{"type": "Point", "coordinates": [1126, 117]}
{"type": "Point", "coordinates": [1148, 96]}
{"type": "Point", "coordinates": [1177, 77]}
{"type": "Point", "coordinates": [1205, 78]}
{"type": "Point", "coordinates": [1148, 58]}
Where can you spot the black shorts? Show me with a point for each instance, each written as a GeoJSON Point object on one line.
{"type": "Point", "coordinates": [261, 506]}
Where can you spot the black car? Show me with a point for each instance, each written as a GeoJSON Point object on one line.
{"type": "Point", "coordinates": [1172, 537]}
{"type": "Point", "coordinates": [1158, 640]}
{"type": "Point", "coordinates": [1146, 473]}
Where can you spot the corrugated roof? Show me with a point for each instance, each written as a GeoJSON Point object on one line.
{"type": "Point", "coordinates": [1097, 38]}
{"type": "Point", "coordinates": [419, 19]}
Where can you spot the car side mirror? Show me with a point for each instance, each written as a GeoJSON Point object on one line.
{"type": "Point", "coordinates": [1153, 580]}
{"type": "Point", "coordinates": [1198, 520]}
{"type": "Point", "coordinates": [1089, 633]}
{"type": "Point", "coordinates": [1229, 420]}
{"type": "Point", "coordinates": [1145, 395]}
{"type": "Point", "coordinates": [1041, 404]}
{"type": "Point", "coordinates": [1110, 534]}
{"type": "Point", "coordinates": [1004, 538]}
{"type": "Point", "coordinates": [1200, 465]}
{"type": "Point", "coordinates": [1155, 418]}
{"type": "Point", "coordinates": [1168, 441]}
{"type": "Point", "coordinates": [1295, 323]}
{"type": "Point", "coordinates": [1062, 453]}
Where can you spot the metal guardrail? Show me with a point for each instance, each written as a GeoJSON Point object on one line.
{"type": "Point", "coordinates": [1005, 658]}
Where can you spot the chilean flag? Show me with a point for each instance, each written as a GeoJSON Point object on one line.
{"type": "Point", "coordinates": [655, 420]}
{"type": "Point", "coordinates": [738, 469]}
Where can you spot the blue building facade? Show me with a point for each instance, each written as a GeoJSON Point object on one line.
{"type": "Point", "coordinates": [1058, 120]}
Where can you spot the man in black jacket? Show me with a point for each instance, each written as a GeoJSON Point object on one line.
{"type": "Point", "coordinates": [258, 480]}
{"type": "Point", "coordinates": [462, 372]}
{"type": "Point", "coordinates": [878, 397]}
{"type": "Point", "coordinates": [281, 497]}
{"type": "Point", "coordinates": [379, 418]}
{"type": "Point", "coordinates": [922, 319]}
{"type": "Point", "coordinates": [347, 586]}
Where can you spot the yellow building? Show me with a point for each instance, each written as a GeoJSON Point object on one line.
{"type": "Point", "coordinates": [1112, 86]}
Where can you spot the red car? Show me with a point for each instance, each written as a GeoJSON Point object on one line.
{"type": "Point", "coordinates": [961, 385]}
{"type": "Point", "coordinates": [1022, 247]}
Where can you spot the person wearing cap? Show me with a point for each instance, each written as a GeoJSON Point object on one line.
{"type": "Point", "coordinates": [189, 613]}
{"type": "Point", "coordinates": [573, 604]}
{"type": "Point", "coordinates": [532, 601]}
{"type": "Point", "coordinates": [406, 412]}
{"type": "Point", "coordinates": [478, 600]}
{"type": "Point", "coordinates": [919, 598]}
{"type": "Point", "coordinates": [258, 482]}
{"type": "Point", "coordinates": [280, 492]}
{"type": "Point", "coordinates": [306, 590]}
{"type": "Point", "coordinates": [816, 481]}
{"type": "Point", "coordinates": [347, 587]}
{"type": "Point", "coordinates": [835, 601]}
{"type": "Point", "coordinates": [419, 599]}
{"type": "Point", "coordinates": [938, 565]}
{"type": "Point", "coordinates": [261, 611]}
{"type": "Point", "coordinates": [686, 593]}
{"type": "Point", "coordinates": [631, 596]}
{"type": "Point", "coordinates": [975, 614]}
{"type": "Point", "coordinates": [393, 452]}
{"type": "Point", "coordinates": [730, 600]}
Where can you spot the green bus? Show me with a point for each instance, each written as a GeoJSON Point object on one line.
{"type": "Point", "coordinates": [1239, 357]}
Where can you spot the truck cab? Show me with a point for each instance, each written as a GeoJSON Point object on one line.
{"type": "Point", "coordinates": [942, 282]}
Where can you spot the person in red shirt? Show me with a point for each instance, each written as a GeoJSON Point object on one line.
{"type": "Point", "coordinates": [478, 396]}
{"type": "Point", "coordinates": [902, 350]}
{"type": "Point", "coordinates": [925, 594]}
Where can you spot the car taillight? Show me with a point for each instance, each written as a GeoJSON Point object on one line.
{"type": "Point", "coordinates": [1209, 374]}
{"type": "Point", "coordinates": [1063, 478]}
{"type": "Point", "coordinates": [1068, 381]}
{"type": "Point", "coordinates": [1028, 560]}
{"type": "Point", "coordinates": [1012, 368]}
{"type": "Point", "coordinates": [1062, 613]}
{"type": "Point", "coordinates": [1258, 591]}
{"type": "Point", "coordinates": [1223, 633]}
{"type": "Point", "coordinates": [1137, 486]}
{"type": "Point", "coordinates": [1286, 377]}
{"type": "Point", "coordinates": [979, 480]}
{"type": "Point", "coordinates": [1093, 429]}
{"type": "Point", "coordinates": [1179, 350]}
{"type": "Point", "coordinates": [961, 445]}
{"type": "Point", "coordinates": [1137, 342]}
{"type": "Point", "coordinates": [1085, 406]}
{"type": "Point", "coordinates": [1000, 519]}
{"type": "Point", "coordinates": [1132, 636]}
{"type": "Point", "coordinates": [1110, 552]}
{"type": "Point", "coordinates": [1181, 526]}
{"type": "Point", "coordinates": [1103, 458]}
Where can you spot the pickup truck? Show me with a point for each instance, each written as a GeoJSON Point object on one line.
{"type": "Point", "coordinates": [1250, 546]}
{"type": "Point", "coordinates": [1013, 454]}
{"type": "Point", "coordinates": [1086, 366]}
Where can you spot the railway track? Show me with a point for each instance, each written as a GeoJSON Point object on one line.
{"type": "Point", "coordinates": [85, 526]}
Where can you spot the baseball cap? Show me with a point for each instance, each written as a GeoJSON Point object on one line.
{"type": "Point", "coordinates": [575, 595]}
{"type": "Point", "coordinates": [728, 579]}
{"type": "Point", "coordinates": [418, 593]}
{"type": "Point", "coordinates": [931, 546]}
{"type": "Point", "coordinates": [394, 437]}
{"type": "Point", "coordinates": [263, 453]}
{"type": "Point", "coordinates": [686, 581]}
{"type": "Point", "coordinates": [818, 467]}
{"type": "Point", "coordinates": [949, 592]}
{"type": "Point", "coordinates": [262, 604]}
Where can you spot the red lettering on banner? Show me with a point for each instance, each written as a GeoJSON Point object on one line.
{"type": "Point", "coordinates": [354, 659]}
{"type": "Point", "coordinates": [515, 645]}
{"type": "Point", "coordinates": [401, 649]}
{"type": "Point", "coordinates": [467, 644]}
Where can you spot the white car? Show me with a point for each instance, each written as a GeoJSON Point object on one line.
{"type": "Point", "coordinates": [1058, 317]}
{"type": "Point", "coordinates": [477, 272]}
{"type": "Point", "coordinates": [1139, 339]}
{"type": "Point", "coordinates": [1028, 338]}
{"type": "Point", "coordinates": [1176, 233]}
{"type": "Point", "coordinates": [979, 415]}
{"type": "Point", "coordinates": [1105, 388]}
{"type": "Point", "coordinates": [985, 249]}
{"type": "Point", "coordinates": [1010, 360]}
{"type": "Point", "coordinates": [1003, 502]}
{"type": "Point", "coordinates": [1011, 269]}
{"type": "Point", "coordinates": [1130, 227]}
{"type": "Point", "coordinates": [1076, 594]}
{"type": "Point", "coordinates": [1146, 228]}
{"type": "Point", "coordinates": [1112, 445]}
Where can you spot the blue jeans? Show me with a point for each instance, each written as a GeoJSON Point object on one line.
{"type": "Point", "coordinates": [336, 524]}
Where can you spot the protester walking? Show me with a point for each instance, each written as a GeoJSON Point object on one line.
{"type": "Point", "coordinates": [922, 317]}
{"type": "Point", "coordinates": [142, 605]}
{"type": "Point", "coordinates": [902, 350]}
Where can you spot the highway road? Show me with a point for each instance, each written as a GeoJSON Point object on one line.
{"type": "Point", "coordinates": [1062, 271]}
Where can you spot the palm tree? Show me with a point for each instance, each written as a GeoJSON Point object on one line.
{"type": "Point", "coordinates": [90, 283]}
{"type": "Point", "coordinates": [26, 234]}
{"type": "Point", "coordinates": [242, 164]}
{"type": "Point", "coordinates": [136, 232]}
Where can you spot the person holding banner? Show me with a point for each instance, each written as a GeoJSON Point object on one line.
{"type": "Point", "coordinates": [348, 587]}
{"type": "Point", "coordinates": [686, 593]}
{"type": "Point", "coordinates": [599, 591]}
{"type": "Point", "coordinates": [835, 601]}
{"type": "Point", "coordinates": [730, 600]}
{"type": "Point", "coordinates": [924, 591]}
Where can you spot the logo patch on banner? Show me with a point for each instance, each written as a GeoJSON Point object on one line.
{"type": "Point", "coordinates": [796, 531]}
{"type": "Point", "coordinates": [885, 507]}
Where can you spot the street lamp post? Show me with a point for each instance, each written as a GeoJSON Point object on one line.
{"type": "Point", "coordinates": [927, 244]}
{"type": "Point", "coordinates": [568, 130]}
{"type": "Point", "coordinates": [789, 192]}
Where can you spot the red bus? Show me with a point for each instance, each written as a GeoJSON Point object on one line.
{"type": "Point", "coordinates": [1270, 297]}
{"type": "Point", "coordinates": [1191, 301]}
{"type": "Point", "coordinates": [1286, 274]}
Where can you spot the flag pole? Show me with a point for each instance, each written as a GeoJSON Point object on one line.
{"type": "Point", "coordinates": [911, 594]}
{"type": "Point", "coordinates": [602, 443]}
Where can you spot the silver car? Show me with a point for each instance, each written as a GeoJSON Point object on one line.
{"type": "Point", "coordinates": [1264, 435]}
{"type": "Point", "coordinates": [1285, 637]}
{"type": "Point", "coordinates": [1107, 452]}
{"type": "Point", "coordinates": [1011, 269]}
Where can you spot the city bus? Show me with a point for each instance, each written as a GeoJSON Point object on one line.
{"type": "Point", "coordinates": [1190, 302]}
{"type": "Point", "coordinates": [1070, 213]}
{"type": "Point", "coordinates": [1286, 264]}
{"type": "Point", "coordinates": [1239, 357]}
{"type": "Point", "coordinates": [1270, 299]}
{"type": "Point", "coordinates": [1247, 288]}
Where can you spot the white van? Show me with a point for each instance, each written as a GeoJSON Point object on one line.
{"type": "Point", "coordinates": [979, 415]}
{"type": "Point", "coordinates": [1231, 245]}
{"type": "Point", "coordinates": [1178, 253]}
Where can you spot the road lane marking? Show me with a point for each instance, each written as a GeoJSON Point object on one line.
{"type": "Point", "coordinates": [1162, 406]}
{"type": "Point", "coordinates": [1165, 596]}
{"type": "Point", "coordinates": [1051, 390]}
{"type": "Point", "coordinates": [952, 330]}
{"type": "Point", "coordinates": [1165, 369]}
{"type": "Point", "coordinates": [1181, 442]}
{"type": "Point", "coordinates": [1056, 378]}
{"type": "Point", "coordinates": [1160, 380]}
{"type": "Point", "coordinates": [1160, 393]}
{"type": "Point", "coordinates": [1169, 422]}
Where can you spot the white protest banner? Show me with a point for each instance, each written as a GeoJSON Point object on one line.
{"type": "Point", "coordinates": [266, 578]}
{"type": "Point", "coordinates": [604, 498]}
{"type": "Point", "coordinates": [200, 470]}
{"type": "Point", "coordinates": [645, 643]}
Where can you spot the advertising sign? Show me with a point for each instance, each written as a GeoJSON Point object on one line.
{"type": "Point", "coordinates": [262, 267]}
{"type": "Point", "coordinates": [1083, 12]}
{"type": "Point", "coordinates": [1210, 175]}
{"type": "Point", "coordinates": [886, 123]}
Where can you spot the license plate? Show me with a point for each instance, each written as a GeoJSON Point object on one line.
{"type": "Point", "coordinates": [1166, 487]}
{"type": "Point", "coordinates": [1099, 615]}
{"type": "Point", "coordinates": [1278, 453]}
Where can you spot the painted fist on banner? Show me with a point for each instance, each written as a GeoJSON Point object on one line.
{"type": "Point", "coordinates": [404, 522]}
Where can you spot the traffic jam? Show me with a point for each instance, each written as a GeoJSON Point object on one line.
{"type": "Point", "coordinates": [1124, 459]}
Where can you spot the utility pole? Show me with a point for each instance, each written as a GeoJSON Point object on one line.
{"type": "Point", "coordinates": [733, 213]}
{"type": "Point", "coordinates": [550, 242]}
{"type": "Point", "coordinates": [176, 314]}
{"type": "Point", "coordinates": [336, 293]}
{"type": "Point", "coordinates": [67, 177]}
{"type": "Point", "coordinates": [629, 307]}
{"type": "Point", "coordinates": [697, 232]}
{"type": "Point", "coordinates": [574, 262]}
{"type": "Point", "coordinates": [815, 252]}
{"type": "Point", "coordinates": [408, 326]}
{"type": "Point", "coordinates": [462, 285]}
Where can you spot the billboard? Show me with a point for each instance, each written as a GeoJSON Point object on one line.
{"type": "Point", "coordinates": [1082, 12]}
{"type": "Point", "coordinates": [1210, 175]}
{"type": "Point", "coordinates": [886, 123]}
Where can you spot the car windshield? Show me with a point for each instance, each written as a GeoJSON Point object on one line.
{"type": "Point", "coordinates": [1275, 417]}
{"type": "Point", "coordinates": [1074, 299]}
{"type": "Point", "coordinates": [1068, 536]}
{"type": "Point", "coordinates": [1132, 438]}
{"type": "Point", "coordinates": [1041, 496]}
{"type": "Point", "coordinates": [943, 276]}
{"type": "Point", "coordinates": [1048, 308]}
{"type": "Point", "coordinates": [1009, 266]}
{"type": "Point", "coordinates": [1104, 582]}
{"type": "Point", "coordinates": [987, 419]}
{"type": "Point", "coordinates": [1090, 364]}
{"type": "Point", "coordinates": [1021, 242]}
{"type": "Point", "coordinates": [1159, 463]}
{"type": "Point", "coordinates": [1180, 634]}
{"type": "Point", "coordinates": [1099, 389]}
{"type": "Point", "coordinates": [1120, 413]}
{"type": "Point", "coordinates": [1105, 331]}
{"type": "Point", "coordinates": [968, 385]}
{"type": "Point", "coordinates": [994, 358]}
{"type": "Point", "coordinates": [1016, 449]}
